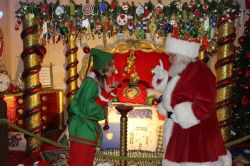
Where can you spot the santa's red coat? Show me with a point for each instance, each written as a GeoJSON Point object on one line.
{"type": "Point", "coordinates": [192, 136]}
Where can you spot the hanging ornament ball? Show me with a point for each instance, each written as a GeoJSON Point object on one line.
{"type": "Point", "coordinates": [150, 99]}
{"type": "Point", "coordinates": [155, 102]}
{"type": "Point", "coordinates": [88, 9]}
{"type": "Point", "coordinates": [234, 106]}
{"type": "Point", "coordinates": [64, 30]}
{"type": "Point", "coordinates": [86, 49]}
{"type": "Point", "coordinates": [188, 26]}
{"type": "Point", "coordinates": [194, 33]}
{"type": "Point", "coordinates": [247, 55]}
{"type": "Point", "coordinates": [212, 46]}
{"type": "Point", "coordinates": [240, 72]}
{"type": "Point", "coordinates": [246, 87]}
{"type": "Point", "coordinates": [169, 28]}
{"type": "Point", "coordinates": [244, 101]}
{"type": "Point", "coordinates": [242, 40]}
{"type": "Point", "coordinates": [115, 99]}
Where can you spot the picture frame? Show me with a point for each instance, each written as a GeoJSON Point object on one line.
{"type": "Point", "coordinates": [46, 76]}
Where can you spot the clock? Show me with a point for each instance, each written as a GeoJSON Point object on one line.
{"type": "Point", "coordinates": [4, 81]}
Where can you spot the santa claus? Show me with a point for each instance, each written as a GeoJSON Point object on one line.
{"type": "Point", "coordinates": [192, 134]}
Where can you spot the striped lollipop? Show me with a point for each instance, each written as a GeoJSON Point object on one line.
{"type": "Point", "coordinates": [88, 9]}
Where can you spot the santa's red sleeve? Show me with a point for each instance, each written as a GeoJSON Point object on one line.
{"type": "Point", "coordinates": [190, 113]}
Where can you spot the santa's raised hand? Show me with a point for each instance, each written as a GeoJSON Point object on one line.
{"type": "Point", "coordinates": [160, 77]}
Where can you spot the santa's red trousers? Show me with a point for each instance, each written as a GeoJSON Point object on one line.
{"type": "Point", "coordinates": [81, 154]}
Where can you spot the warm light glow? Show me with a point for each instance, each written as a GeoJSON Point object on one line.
{"type": "Point", "coordinates": [1, 14]}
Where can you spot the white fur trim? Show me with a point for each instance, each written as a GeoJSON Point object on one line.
{"type": "Point", "coordinates": [161, 86]}
{"type": "Point", "coordinates": [182, 47]}
{"type": "Point", "coordinates": [161, 110]}
{"type": "Point", "coordinates": [103, 98]}
{"type": "Point", "coordinates": [167, 129]}
{"type": "Point", "coordinates": [225, 160]}
{"type": "Point", "coordinates": [183, 115]}
{"type": "Point", "coordinates": [166, 98]}
{"type": "Point", "coordinates": [92, 75]}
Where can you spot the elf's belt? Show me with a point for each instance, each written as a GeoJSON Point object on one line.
{"type": "Point", "coordinates": [90, 120]}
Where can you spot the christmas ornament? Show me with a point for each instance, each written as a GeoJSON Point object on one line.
{"type": "Point", "coordinates": [86, 49]}
{"type": "Point", "coordinates": [242, 40]}
{"type": "Point", "coordinates": [85, 23]}
{"type": "Point", "coordinates": [59, 10]}
{"type": "Point", "coordinates": [139, 10]}
{"type": "Point", "coordinates": [150, 99]}
{"type": "Point", "coordinates": [169, 28]}
{"type": "Point", "coordinates": [88, 9]}
{"type": "Point", "coordinates": [155, 102]}
{"type": "Point", "coordinates": [244, 100]}
{"type": "Point", "coordinates": [115, 99]}
{"type": "Point", "coordinates": [122, 19]}
{"type": "Point", "coordinates": [102, 7]}
{"type": "Point", "coordinates": [125, 6]}
{"type": "Point", "coordinates": [158, 9]}
{"type": "Point", "coordinates": [131, 26]}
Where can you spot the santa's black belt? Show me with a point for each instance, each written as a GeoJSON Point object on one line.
{"type": "Point", "coordinates": [169, 115]}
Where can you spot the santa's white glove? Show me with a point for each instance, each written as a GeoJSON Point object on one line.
{"type": "Point", "coordinates": [160, 72]}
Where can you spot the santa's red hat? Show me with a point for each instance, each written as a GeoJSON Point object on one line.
{"type": "Point", "coordinates": [182, 47]}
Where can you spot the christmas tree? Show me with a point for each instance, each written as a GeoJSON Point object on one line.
{"type": "Point", "coordinates": [241, 104]}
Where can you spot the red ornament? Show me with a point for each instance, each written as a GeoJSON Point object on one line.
{"type": "Point", "coordinates": [244, 101]}
{"type": "Point", "coordinates": [112, 6]}
{"type": "Point", "coordinates": [86, 49]}
{"type": "Point", "coordinates": [196, 13]}
{"type": "Point", "coordinates": [43, 8]}
{"type": "Point", "coordinates": [242, 40]}
{"type": "Point", "coordinates": [246, 87]}
{"type": "Point", "coordinates": [155, 102]}
{"type": "Point", "coordinates": [240, 72]}
{"type": "Point", "coordinates": [247, 74]}
{"type": "Point", "coordinates": [247, 55]}
{"type": "Point", "coordinates": [234, 106]}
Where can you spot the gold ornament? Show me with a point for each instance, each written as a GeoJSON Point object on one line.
{"type": "Point", "coordinates": [20, 111]}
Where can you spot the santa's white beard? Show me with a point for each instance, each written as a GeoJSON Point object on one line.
{"type": "Point", "coordinates": [176, 69]}
{"type": "Point", "coordinates": [179, 65]}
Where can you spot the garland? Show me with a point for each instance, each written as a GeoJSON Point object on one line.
{"type": "Point", "coordinates": [196, 19]}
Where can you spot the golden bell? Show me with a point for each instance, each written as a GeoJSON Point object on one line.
{"type": "Point", "coordinates": [44, 108]}
{"type": "Point", "coordinates": [44, 118]}
{"type": "Point", "coordinates": [44, 98]}
{"type": "Point", "coordinates": [20, 111]}
{"type": "Point", "coordinates": [20, 101]}
{"type": "Point", "coordinates": [20, 122]}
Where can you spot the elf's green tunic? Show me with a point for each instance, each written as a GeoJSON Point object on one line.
{"type": "Point", "coordinates": [84, 115]}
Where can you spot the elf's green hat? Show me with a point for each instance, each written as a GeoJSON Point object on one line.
{"type": "Point", "coordinates": [100, 58]}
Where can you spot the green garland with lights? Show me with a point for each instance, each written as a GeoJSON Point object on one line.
{"type": "Point", "coordinates": [195, 19]}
